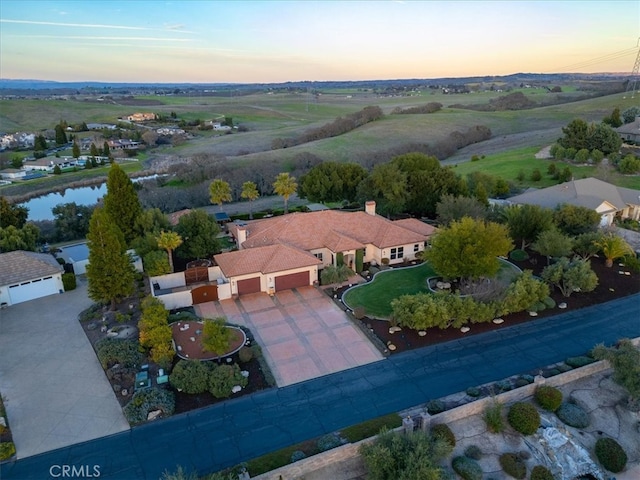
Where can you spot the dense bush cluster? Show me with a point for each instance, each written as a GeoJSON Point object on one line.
{"type": "Point", "coordinates": [611, 455]}
{"type": "Point", "coordinates": [430, 107]}
{"type": "Point", "coordinates": [548, 397]}
{"type": "Point", "coordinates": [339, 126]}
{"type": "Point", "coordinates": [540, 472]}
{"type": "Point", "coordinates": [114, 350]}
{"type": "Point", "coordinates": [7, 450]}
{"type": "Point", "coordinates": [467, 468]}
{"type": "Point", "coordinates": [513, 465]}
{"type": "Point", "coordinates": [435, 406]}
{"type": "Point", "coordinates": [148, 400]}
{"type": "Point", "coordinates": [573, 415]}
{"type": "Point", "coordinates": [443, 432]}
{"type": "Point", "coordinates": [68, 281]}
{"type": "Point", "coordinates": [473, 452]}
{"type": "Point", "coordinates": [579, 361]}
{"type": "Point", "coordinates": [223, 378]}
{"type": "Point", "coordinates": [524, 418]}
{"type": "Point", "coordinates": [329, 441]}
{"type": "Point", "coordinates": [190, 376]}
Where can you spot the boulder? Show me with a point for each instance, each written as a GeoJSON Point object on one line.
{"type": "Point", "coordinates": [154, 414]}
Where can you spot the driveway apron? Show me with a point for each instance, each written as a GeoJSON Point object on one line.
{"type": "Point", "coordinates": [56, 394]}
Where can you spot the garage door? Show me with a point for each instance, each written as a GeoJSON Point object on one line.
{"type": "Point", "coordinates": [35, 289]}
{"type": "Point", "coordinates": [249, 285]}
{"type": "Point", "coordinates": [294, 280]}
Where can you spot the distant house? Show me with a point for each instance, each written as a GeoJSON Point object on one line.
{"type": "Point", "coordinates": [141, 117]}
{"type": "Point", "coordinates": [47, 164]}
{"type": "Point", "coordinates": [26, 276]}
{"type": "Point", "coordinates": [12, 173]}
{"type": "Point", "coordinates": [16, 140]}
{"type": "Point", "coordinates": [608, 200]}
{"type": "Point", "coordinates": [630, 133]}
{"type": "Point", "coordinates": [101, 126]}
{"type": "Point", "coordinates": [122, 144]}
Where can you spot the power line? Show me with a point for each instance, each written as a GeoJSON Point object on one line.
{"type": "Point", "coordinates": [598, 60]}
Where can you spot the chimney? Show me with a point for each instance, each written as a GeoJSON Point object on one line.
{"type": "Point", "coordinates": [242, 235]}
{"type": "Point", "coordinates": [370, 208]}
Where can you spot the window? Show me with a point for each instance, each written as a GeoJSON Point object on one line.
{"type": "Point", "coordinates": [397, 253]}
{"type": "Point", "coordinates": [318, 256]}
{"type": "Point", "coordinates": [416, 248]}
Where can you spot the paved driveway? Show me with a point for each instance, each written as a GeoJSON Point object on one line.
{"type": "Point", "coordinates": [56, 394]}
{"type": "Point", "coordinates": [303, 334]}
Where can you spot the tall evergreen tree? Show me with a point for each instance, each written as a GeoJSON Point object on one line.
{"type": "Point", "coordinates": [61, 136]}
{"type": "Point", "coordinates": [121, 201]}
{"type": "Point", "coordinates": [76, 150]}
{"type": "Point", "coordinates": [109, 273]}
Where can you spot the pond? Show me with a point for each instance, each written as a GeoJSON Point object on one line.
{"type": "Point", "coordinates": [40, 207]}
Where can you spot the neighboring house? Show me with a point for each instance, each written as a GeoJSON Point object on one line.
{"type": "Point", "coordinates": [169, 131]}
{"type": "Point", "coordinates": [78, 257]}
{"type": "Point", "coordinates": [26, 276]}
{"type": "Point", "coordinates": [47, 164]}
{"type": "Point", "coordinates": [630, 133]}
{"type": "Point", "coordinates": [608, 200]}
{"type": "Point", "coordinates": [101, 126]}
{"type": "Point", "coordinates": [18, 139]}
{"type": "Point", "coordinates": [12, 173]}
{"type": "Point", "coordinates": [174, 218]}
{"type": "Point", "coordinates": [122, 144]}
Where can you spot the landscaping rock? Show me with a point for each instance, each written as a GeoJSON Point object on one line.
{"type": "Point", "coordinates": [391, 347]}
{"type": "Point", "coordinates": [498, 321]}
{"type": "Point", "coordinates": [563, 305]}
{"type": "Point", "coordinates": [533, 314]}
{"type": "Point", "coordinates": [236, 389]}
{"type": "Point", "coordinates": [154, 414]}
{"type": "Point", "coordinates": [421, 333]}
{"type": "Point", "coordinates": [465, 329]}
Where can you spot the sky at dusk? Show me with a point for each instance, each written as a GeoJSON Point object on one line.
{"type": "Point", "coordinates": [277, 41]}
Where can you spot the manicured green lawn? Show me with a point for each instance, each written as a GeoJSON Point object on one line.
{"type": "Point", "coordinates": [376, 296]}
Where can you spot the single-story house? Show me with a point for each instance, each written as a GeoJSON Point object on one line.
{"type": "Point", "coordinates": [12, 173]}
{"type": "Point", "coordinates": [608, 200]}
{"type": "Point", "coordinates": [26, 276]}
{"type": "Point", "coordinates": [630, 132]}
{"type": "Point", "coordinates": [77, 256]}
{"type": "Point", "coordinates": [278, 253]}
{"type": "Point", "coordinates": [47, 164]}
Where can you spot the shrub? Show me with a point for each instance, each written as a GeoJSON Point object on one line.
{"type": "Point", "coordinates": [503, 386]}
{"type": "Point", "coordinates": [68, 281]}
{"type": "Point", "coordinates": [513, 465]}
{"type": "Point", "coordinates": [223, 378]}
{"type": "Point", "coordinates": [329, 441]}
{"type": "Point", "coordinates": [245, 354]}
{"type": "Point", "coordinates": [179, 474]}
{"type": "Point", "coordinates": [113, 350]}
{"type": "Point", "coordinates": [518, 255]}
{"type": "Point", "coordinates": [435, 406]}
{"type": "Point", "coordinates": [148, 400]}
{"type": "Point", "coordinates": [443, 432]}
{"type": "Point", "coordinates": [521, 382]}
{"type": "Point", "coordinates": [573, 415]}
{"type": "Point", "coordinates": [536, 176]}
{"type": "Point", "coordinates": [548, 397]}
{"type": "Point", "coordinates": [549, 302]}
{"type": "Point", "coordinates": [611, 455]}
{"type": "Point", "coordinates": [493, 417]}
{"type": "Point", "coordinates": [297, 456]}
{"type": "Point", "coordinates": [632, 263]}
{"type": "Point", "coordinates": [367, 429]}
{"type": "Point", "coordinates": [540, 472]}
{"type": "Point", "coordinates": [7, 450]}
{"type": "Point", "coordinates": [467, 468]}
{"type": "Point", "coordinates": [524, 418]}
{"type": "Point", "coordinates": [190, 376]}
{"type": "Point", "coordinates": [473, 391]}
{"type": "Point", "coordinates": [537, 307]}
{"type": "Point", "coordinates": [264, 366]}
{"type": "Point", "coordinates": [473, 452]}
{"type": "Point", "coordinates": [577, 362]}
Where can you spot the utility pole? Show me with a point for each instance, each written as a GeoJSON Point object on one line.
{"type": "Point", "coordinates": [633, 79]}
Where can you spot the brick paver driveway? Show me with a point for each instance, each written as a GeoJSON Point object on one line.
{"type": "Point", "coordinates": [303, 334]}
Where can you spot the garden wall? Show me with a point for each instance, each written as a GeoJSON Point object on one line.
{"type": "Point", "coordinates": [306, 466]}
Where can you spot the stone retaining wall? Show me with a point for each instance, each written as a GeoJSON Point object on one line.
{"type": "Point", "coordinates": [303, 467]}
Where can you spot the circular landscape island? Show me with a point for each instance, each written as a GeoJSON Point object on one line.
{"type": "Point", "coordinates": [187, 341]}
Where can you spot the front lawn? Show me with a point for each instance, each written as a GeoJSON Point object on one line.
{"type": "Point", "coordinates": [376, 296]}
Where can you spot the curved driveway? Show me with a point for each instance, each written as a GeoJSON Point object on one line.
{"type": "Point", "coordinates": [237, 430]}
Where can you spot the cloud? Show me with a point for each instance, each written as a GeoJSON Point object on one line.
{"type": "Point", "coordinates": [91, 37]}
{"type": "Point", "coordinates": [80, 25]}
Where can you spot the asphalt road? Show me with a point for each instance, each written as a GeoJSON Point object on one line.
{"type": "Point", "coordinates": [228, 433]}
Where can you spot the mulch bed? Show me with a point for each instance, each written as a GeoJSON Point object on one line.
{"type": "Point", "coordinates": [608, 278]}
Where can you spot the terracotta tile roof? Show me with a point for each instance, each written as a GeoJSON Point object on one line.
{"type": "Point", "coordinates": [22, 266]}
{"type": "Point", "coordinates": [174, 217]}
{"type": "Point", "coordinates": [331, 229]}
{"type": "Point", "coordinates": [268, 259]}
{"type": "Point", "coordinates": [417, 226]}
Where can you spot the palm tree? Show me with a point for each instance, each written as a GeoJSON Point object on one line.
{"type": "Point", "coordinates": [250, 192]}
{"type": "Point", "coordinates": [285, 186]}
{"type": "Point", "coordinates": [169, 240]}
{"type": "Point", "coordinates": [613, 247]}
{"type": "Point", "coordinates": [220, 192]}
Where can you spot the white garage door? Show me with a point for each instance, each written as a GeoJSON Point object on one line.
{"type": "Point", "coordinates": [26, 291]}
